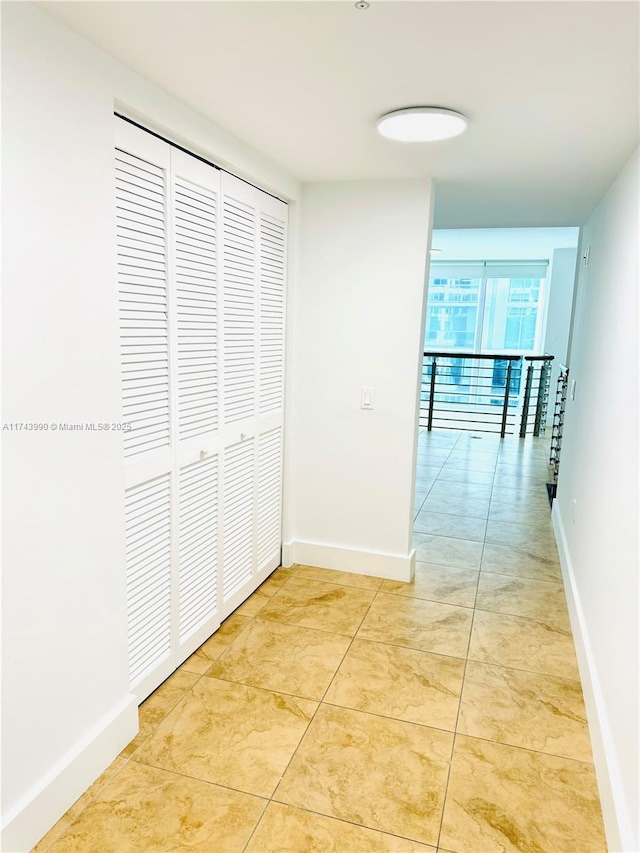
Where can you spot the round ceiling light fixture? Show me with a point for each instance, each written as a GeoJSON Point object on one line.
{"type": "Point", "coordinates": [422, 124]}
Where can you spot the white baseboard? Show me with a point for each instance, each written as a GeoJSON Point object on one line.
{"type": "Point", "coordinates": [617, 821]}
{"type": "Point", "coordinates": [398, 567]}
{"type": "Point", "coordinates": [25, 824]}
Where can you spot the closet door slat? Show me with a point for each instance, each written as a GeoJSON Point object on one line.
{"type": "Point", "coordinates": [238, 517]}
{"type": "Point", "coordinates": [198, 546]}
{"type": "Point", "coordinates": [148, 573]}
{"type": "Point", "coordinates": [195, 229]}
{"type": "Point", "coordinates": [239, 299]}
{"type": "Point", "coordinates": [142, 284]}
{"type": "Point", "coordinates": [269, 497]}
{"type": "Point", "coordinates": [272, 313]}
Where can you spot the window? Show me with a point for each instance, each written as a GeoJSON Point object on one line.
{"type": "Point", "coordinates": [452, 313]}
{"type": "Point", "coordinates": [520, 331]}
{"type": "Point", "coordinates": [486, 306]}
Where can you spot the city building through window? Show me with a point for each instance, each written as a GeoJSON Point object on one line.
{"type": "Point", "coordinates": [479, 307]}
{"type": "Point", "coordinates": [486, 306]}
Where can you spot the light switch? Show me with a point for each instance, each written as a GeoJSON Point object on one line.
{"type": "Point", "coordinates": [366, 398]}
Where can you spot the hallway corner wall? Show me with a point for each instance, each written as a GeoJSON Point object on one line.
{"type": "Point", "coordinates": [560, 300]}
{"type": "Point", "coordinates": [597, 510]}
{"type": "Point", "coordinates": [358, 317]}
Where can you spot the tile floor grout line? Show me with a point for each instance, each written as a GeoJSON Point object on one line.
{"type": "Point", "coordinates": [464, 673]}
{"type": "Point", "coordinates": [258, 822]}
{"type": "Point", "coordinates": [434, 600]}
{"type": "Point", "coordinates": [322, 702]}
{"type": "Point", "coordinates": [456, 732]}
{"type": "Point", "coordinates": [261, 618]}
{"type": "Point", "coordinates": [278, 690]}
{"type": "Point", "coordinates": [319, 705]}
{"type": "Point", "coordinates": [524, 748]}
{"type": "Point", "coordinates": [183, 775]}
{"type": "Point", "coordinates": [164, 716]}
{"type": "Point", "coordinates": [529, 577]}
{"type": "Point", "coordinates": [410, 648]}
{"type": "Point", "coordinates": [131, 757]}
{"type": "Point", "coordinates": [442, 466]}
{"type": "Point", "coordinates": [379, 716]}
{"type": "Point", "coordinates": [125, 760]}
{"type": "Point", "coordinates": [539, 619]}
{"type": "Point", "coordinates": [349, 646]}
{"type": "Point", "coordinates": [527, 671]}
{"type": "Point", "coordinates": [358, 825]}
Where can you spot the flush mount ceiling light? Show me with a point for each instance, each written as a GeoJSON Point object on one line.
{"type": "Point", "coordinates": [422, 124]}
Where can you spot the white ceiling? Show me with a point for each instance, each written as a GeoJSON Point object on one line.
{"type": "Point", "coordinates": [460, 244]}
{"type": "Point", "coordinates": [550, 88]}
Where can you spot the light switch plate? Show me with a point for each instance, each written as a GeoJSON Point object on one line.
{"type": "Point", "coordinates": [366, 398]}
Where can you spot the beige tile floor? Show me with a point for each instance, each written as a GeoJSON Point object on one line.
{"type": "Point", "coordinates": [336, 712]}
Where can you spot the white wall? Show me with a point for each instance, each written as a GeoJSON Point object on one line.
{"type": "Point", "coordinates": [66, 707]}
{"type": "Point", "coordinates": [598, 535]}
{"type": "Point", "coordinates": [358, 323]}
{"type": "Point", "coordinates": [496, 244]}
{"type": "Point", "coordinates": [558, 318]}
{"type": "Point", "coordinates": [559, 302]}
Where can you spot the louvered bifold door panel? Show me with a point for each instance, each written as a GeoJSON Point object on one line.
{"type": "Point", "coordinates": [195, 196]}
{"type": "Point", "coordinates": [142, 232]}
{"type": "Point", "coordinates": [272, 311]}
{"type": "Point", "coordinates": [238, 518]}
{"type": "Point", "coordinates": [148, 574]}
{"type": "Point", "coordinates": [271, 363]}
{"type": "Point", "coordinates": [269, 499]}
{"type": "Point", "coordinates": [253, 329]}
{"type": "Point", "coordinates": [142, 284]}
{"type": "Point", "coordinates": [197, 554]}
{"type": "Point", "coordinates": [195, 221]}
{"type": "Point", "coordinates": [239, 277]}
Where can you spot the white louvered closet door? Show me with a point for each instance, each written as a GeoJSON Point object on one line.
{"type": "Point", "coordinates": [142, 199]}
{"type": "Point", "coordinates": [201, 276]}
{"type": "Point", "coordinates": [253, 252]}
{"type": "Point", "coordinates": [195, 366]}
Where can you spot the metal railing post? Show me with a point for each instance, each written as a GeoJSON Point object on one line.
{"type": "Point", "coordinates": [432, 393]}
{"type": "Point", "coordinates": [558, 421]}
{"type": "Point", "coordinates": [525, 405]}
{"type": "Point", "coordinates": [505, 405]}
{"type": "Point", "coordinates": [542, 390]}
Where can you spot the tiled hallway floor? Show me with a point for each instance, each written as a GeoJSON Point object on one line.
{"type": "Point", "coordinates": [336, 712]}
